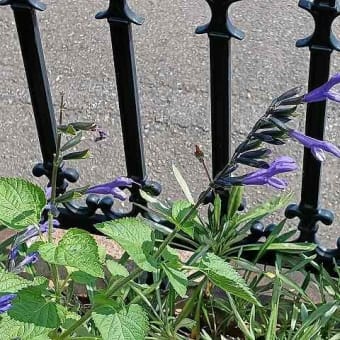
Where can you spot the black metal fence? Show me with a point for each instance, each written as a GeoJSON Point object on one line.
{"type": "Point", "coordinates": [220, 32]}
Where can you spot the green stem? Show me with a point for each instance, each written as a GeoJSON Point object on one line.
{"type": "Point", "coordinates": [191, 303]}
{"type": "Point", "coordinates": [77, 324]}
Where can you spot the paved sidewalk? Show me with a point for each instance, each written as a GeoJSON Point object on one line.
{"type": "Point", "coordinates": [173, 72]}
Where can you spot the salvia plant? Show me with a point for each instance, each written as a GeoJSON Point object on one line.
{"type": "Point", "coordinates": [72, 289]}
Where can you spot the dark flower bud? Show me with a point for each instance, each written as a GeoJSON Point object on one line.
{"type": "Point", "coordinates": [253, 162]}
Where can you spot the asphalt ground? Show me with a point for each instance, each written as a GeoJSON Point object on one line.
{"type": "Point", "coordinates": [173, 74]}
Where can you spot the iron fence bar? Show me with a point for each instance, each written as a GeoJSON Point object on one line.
{"type": "Point", "coordinates": [220, 31]}
{"type": "Point", "coordinates": [120, 17]}
{"type": "Point", "coordinates": [33, 57]}
{"type": "Point", "coordinates": [321, 44]}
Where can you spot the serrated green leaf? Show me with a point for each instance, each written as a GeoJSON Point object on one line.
{"type": "Point", "coordinates": [223, 275]}
{"type": "Point", "coordinates": [21, 203]}
{"type": "Point", "coordinates": [76, 249]}
{"type": "Point", "coordinates": [135, 236]}
{"type": "Point", "coordinates": [116, 269]}
{"type": "Point", "coordinates": [130, 324]}
{"type": "Point", "coordinates": [31, 307]}
{"type": "Point", "coordinates": [72, 142]}
{"type": "Point", "coordinates": [177, 279]}
{"type": "Point", "coordinates": [77, 155]}
{"type": "Point", "coordinates": [183, 184]}
{"type": "Point", "coordinates": [13, 329]}
{"type": "Point", "coordinates": [12, 283]}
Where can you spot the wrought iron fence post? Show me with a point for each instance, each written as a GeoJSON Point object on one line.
{"type": "Point", "coordinates": [321, 44]}
{"type": "Point", "coordinates": [33, 57]}
{"type": "Point", "coordinates": [120, 17]}
{"type": "Point", "coordinates": [220, 31]}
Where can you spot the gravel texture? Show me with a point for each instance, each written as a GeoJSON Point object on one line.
{"type": "Point", "coordinates": [173, 72]}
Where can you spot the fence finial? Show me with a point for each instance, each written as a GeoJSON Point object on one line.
{"type": "Point", "coordinates": [120, 11]}
{"type": "Point", "coordinates": [220, 24]}
{"type": "Point", "coordinates": [324, 12]}
{"type": "Point", "coordinates": [34, 4]}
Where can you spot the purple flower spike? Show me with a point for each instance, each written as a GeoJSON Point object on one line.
{"type": "Point", "coordinates": [266, 176]}
{"type": "Point", "coordinates": [33, 231]}
{"type": "Point", "coordinates": [29, 259]}
{"type": "Point", "coordinates": [6, 302]}
{"type": "Point", "coordinates": [324, 91]}
{"type": "Point", "coordinates": [317, 147]}
{"type": "Point", "coordinates": [13, 253]}
{"type": "Point", "coordinates": [113, 188]}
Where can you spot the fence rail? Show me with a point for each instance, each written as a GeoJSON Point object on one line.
{"type": "Point", "coordinates": [220, 31]}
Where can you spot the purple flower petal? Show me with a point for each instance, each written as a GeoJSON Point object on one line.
{"type": "Point", "coordinates": [29, 259]}
{"type": "Point", "coordinates": [277, 183]}
{"type": "Point", "coordinates": [99, 189]}
{"type": "Point", "coordinates": [281, 165]}
{"type": "Point", "coordinates": [315, 145]}
{"type": "Point", "coordinates": [266, 176]}
{"type": "Point", "coordinates": [6, 302]}
{"type": "Point", "coordinates": [331, 148]}
{"type": "Point", "coordinates": [324, 91]}
{"type": "Point", "coordinates": [112, 188]}
{"type": "Point", "coordinates": [318, 154]}
{"type": "Point", "coordinates": [13, 253]}
{"type": "Point", "coordinates": [48, 193]}
{"type": "Point", "coordinates": [118, 193]}
{"type": "Point", "coordinates": [334, 96]}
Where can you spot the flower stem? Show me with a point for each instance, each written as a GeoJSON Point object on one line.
{"type": "Point", "coordinates": [78, 323]}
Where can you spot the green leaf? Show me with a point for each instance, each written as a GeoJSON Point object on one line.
{"type": "Point", "coordinates": [135, 236]}
{"type": "Point", "coordinates": [322, 314]}
{"type": "Point", "coordinates": [67, 129]}
{"type": "Point", "coordinates": [263, 210]}
{"type": "Point", "coordinates": [183, 185]}
{"type": "Point", "coordinates": [21, 203]}
{"type": "Point", "coordinates": [12, 283]}
{"type": "Point", "coordinates": [281, 247]}
{"type": "Point", "coordinates": [240, 321]}
{"type": "Point", "coordinates": [72, 142]}
{"type": "Point", "coordinates": [83, 278]}
{"type": "Point", "coordinates": [223, 275]}
{"type": "Point", "coordinates": [76, 249]}
{"type": "Point", "coordinates": [130, 324]}
{"type": "Point", "coordinates": [275, 301]}
{"type": "Point", "coordinates": [86, 126]}
{"type": "Point", "coordinates": [13, 329]}
{"type": "Point", "coordinates": [234, 201]}
{"type": "Point", "coordinates": [177, 279]}
{"type": "Point", "coordinates": [116, 269]}
{"type": "Point", "coordinates": [270, 239]}
{"type": "Point", "coordinates": [30, 307]}
{"type": "Point", "coordinates": [171, 257]}
{"type": "Point", "coordinates": [71, 195]}
{"type": "Point", "coordinates": [179, 211]}
{"type": "Point", "coordinates": [77, 155]}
